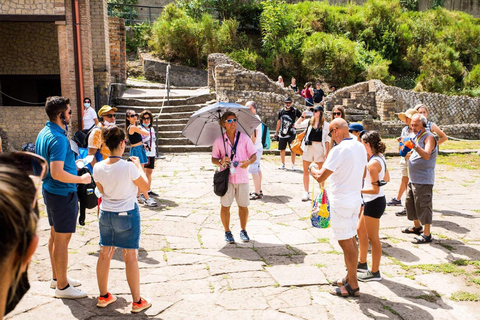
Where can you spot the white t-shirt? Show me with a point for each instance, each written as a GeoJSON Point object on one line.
{"type": "Point", "coordinates": [89, 116]}
{"type": "Point", "coordinates": [347, 161]}
{"type": "Point", "coordinates": [119, 191]}
{"type": "Point", "coordinates": [146, 139]}
{"type": "Point", "coordinates": [258, 142]}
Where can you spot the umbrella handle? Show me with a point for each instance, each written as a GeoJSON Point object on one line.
{"type": "Point", "coordinates": [221, 133]}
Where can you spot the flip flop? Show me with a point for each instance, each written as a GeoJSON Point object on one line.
{"type": "Point", "coordinates": [422, 239]}
{"type": "Point", "coordinates": [414, 230]}
{"type": "Point", "coordinates": [350, 292]}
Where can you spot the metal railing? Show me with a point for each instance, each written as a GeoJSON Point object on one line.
{"type": "Point", "coordinates": [134, 14]}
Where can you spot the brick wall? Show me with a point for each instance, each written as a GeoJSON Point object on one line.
{"type": "Point", "coordinates": [118, 58]}
{"type": "Point", "coordinates": [28, 6]}
{"type": "Point", "coordinates": [28, 48]}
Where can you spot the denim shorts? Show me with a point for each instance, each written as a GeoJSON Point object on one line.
{"type": "Point", "coordinates": [62, 211]}
{"type": "Point", "coordinates": [139, 151]}
{"type": "Point", "coordinates": [120, 229]}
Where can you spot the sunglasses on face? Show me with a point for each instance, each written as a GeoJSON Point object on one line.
{"type": "Point", "coordinates": [231, 120]}
{"type": "Point", "coordinates": [330, 133]}
{"type": "Point", "coordinates": [317, 111]}
{"type": "Point", "coordinates": [109, 115]}
{"type": "Point", "coordinates": [146, 118]}
{"type": "Point", "coordinates": [337, 113]}
{"type": "Point", "coordinates": [132, 115]}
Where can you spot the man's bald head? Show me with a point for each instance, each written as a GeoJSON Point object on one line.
{"type": "Point", "coordinates": [339, 123]}
{"type": "Point", "coordinates": [338, 129]}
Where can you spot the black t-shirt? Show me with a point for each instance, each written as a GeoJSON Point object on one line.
{"type": "Point", "coordinates": [318, 95]}
{"type": "Point", "coordinates": [294, 88]}
{"type": "Point", "coordinates": [315, 135]}
{"type": "Point", "coordinates": [287, 119]}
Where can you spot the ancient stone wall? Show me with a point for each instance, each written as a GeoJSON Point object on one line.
{"type": "Point", "coordinates": [118, 57]}
{"type": "Point", "coordinates": [28, 7]}
{"type": "Point", "coordinates": [29, 48]}
{"type": "Point", "coordinates": [100, 48]}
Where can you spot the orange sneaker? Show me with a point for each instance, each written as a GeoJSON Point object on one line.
{"type": "Point", "coordinates": [103, 302]}
{"type": "Point", "coordinates": [144, 304]}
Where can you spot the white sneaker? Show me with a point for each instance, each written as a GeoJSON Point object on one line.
{"type": "Point", "coordinates": [306, 196]}
{"type": "Point", "coordinates": [141, 199]}
{"type": "Point", "coordinates": [151, 203]}
{"type": "Point", "coordinates": [282, 167]}
{"type": "Point", "coordinates": [71, 281]}
{"type": "Point", "coordinates": [70, 293]}
{"type": "Point", "coordinates": [293, 167]}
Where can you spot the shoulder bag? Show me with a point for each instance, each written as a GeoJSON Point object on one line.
{"type": "Point", "coordinates": [220, 178]}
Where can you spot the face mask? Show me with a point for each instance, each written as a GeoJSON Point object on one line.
{"type": "Point", "coordinates": [14, 298]}
{"type": "Point", "coordinates": [146, 124]}
{"type": "Point", "coordinates": [86, 105]}
{"type": "Point", "coordinates": [108, 124]}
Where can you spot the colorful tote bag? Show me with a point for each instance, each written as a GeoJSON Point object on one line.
{"type": "Point", "coordinates": [320, 215]}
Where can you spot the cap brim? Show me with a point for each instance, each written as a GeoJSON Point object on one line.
{"type": "Point", "coordinates": [402, 116]}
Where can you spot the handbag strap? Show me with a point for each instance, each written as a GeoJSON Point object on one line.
{"type": "Point", "coordinates": [234, 149]}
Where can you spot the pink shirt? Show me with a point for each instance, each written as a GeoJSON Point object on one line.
{"type": "Point", "coordinates": [245, 149]}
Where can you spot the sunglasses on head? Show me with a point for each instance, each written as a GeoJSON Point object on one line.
{"type": "Point", "coordinates": [109, 115]}
{"type": "Point", "coordinates": [337, 113]}
{"type": "Point", "coordinates": [132, 115]}
{"type": "Point", "coordinates": [231, 120]}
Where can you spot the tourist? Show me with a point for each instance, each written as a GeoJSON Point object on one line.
{"type": "Point", "coordinates": [333, 88]}
{"type": "Point", "coordinates": [308, 93]}
{"type": "Point", "coordinates": [421, 174]}
{"type": "Point", "coordinates": [356, 129]}
{"type": "Point", "coordinates": [89, 115]}
{"type": "Point", "coordinates": [285, 130]}
{"type": "Point", "coordinates": [338, 112]}
{"type": "Point", "coordinates": [150, 145]}
{"type": "Point", "coordinates": [315, 145]}
{"type": "Point", "coordinates": [293, 85]}
{"type": "Point", "coordinates": [18, 227]}
{"type": "Point", "coordinates": [59, 190]}
{"type": "Point", "coordinates": [254, 168]}
{"type": "Point", "coordinates": [375, 203]}
{"type": "Point", "coordinates": [236, 150]}
{"type": "Point", "coordinates": [406, 117]}
{"type": "Point", "coordinates": [96, 145]}
{"type": "Point", "coordinates": [119, 223]}
{"type": "Point", "coordinates": [318, 94]}
{"type": "Point", "coordinates": [344, 169]}
{"type": "Point", "coordinates": [280, 81]}
{"type": "Point", "coordinates": [431, 126]}
{"type": "Point", "coordinates": [135, 133]}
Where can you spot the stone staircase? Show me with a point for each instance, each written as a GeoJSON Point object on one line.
{"type": "Point", "coordinates": [170, 120]}
{"type": "Point", "coordinates": [355, 104]}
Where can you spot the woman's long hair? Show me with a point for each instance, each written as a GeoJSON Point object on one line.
{"type": "Point", "coordinates": [320, 123]}
{"type": "Point", "coordinates": [113, 136]}
{"type": "Point", "coordinates": [127, 121]}
{"type": "Point", "coordinates": [342, 111]}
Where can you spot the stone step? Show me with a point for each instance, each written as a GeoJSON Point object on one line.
{"type": "Point", "coordinates": [204, 98]}
{"type": "Point", "coordinates": [171, 127]}
{"type": "Point", "coordinates": [174, 141]}
{"type": "Point", "coordinates": [175, 115]}
{"type": "Point", "coordinates": [170, 134]}
{"type": "Point", "coordinates": [165, 109]}
{"type": "Point", "coordinates": [353, 111]}
{"type": "Point", "coordinates": [356, 118]}
{"type": "Point", "coordinates": [165, 121]}
{"type": "Point", "coordinates": [183, 149]}
{"type": "Point", "coordinates": [358, 95]}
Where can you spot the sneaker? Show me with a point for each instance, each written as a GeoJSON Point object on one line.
{"type": "Point", "coordinates": [71, 281]}
{"type": "Point", "coordinates": [394, 202]}
{"type": "Point", "coordinates": [362, 267]}
{"type": "Point", "coordinates": [151, 203]}
{"type": "Point", "coordinates": [103, 302]}
{"type": "Point", "coordinates": [293, 167]}
{"type": "Point", "coordinates": [282, 167]}
{"type": "Point", "coordinates": [401, 213]}
{"type": "Point", "coordinates": [229, 237]}
{"type": "Point", "coordinates": [306, 196]}
{"type": "Point", "coordinates": [70, 293]}
{"type": "Point", "coordinates": [370, 276]}
{"type": "Point", "coordinates": [141, 199]}
{"type": "Point", "coordinates": [244, 236]}
{"type": "Point", "coordinates": [152, 194]}
{"type": "Point", "coordinates": [138, 307]}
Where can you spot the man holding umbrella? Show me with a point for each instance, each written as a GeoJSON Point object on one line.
{"type": "Point", "coordinates": [234, 149]}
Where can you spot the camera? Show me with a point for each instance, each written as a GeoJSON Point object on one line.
{"type": "Point", "coordinates": [380, 183]}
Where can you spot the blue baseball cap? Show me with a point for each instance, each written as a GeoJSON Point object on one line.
{"type": "Point", "coordinates": [355, 127]}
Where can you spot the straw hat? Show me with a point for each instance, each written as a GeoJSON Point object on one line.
{"type": "Point", "coordinates": [407, 114]}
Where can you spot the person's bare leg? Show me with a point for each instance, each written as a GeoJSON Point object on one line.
{"type": "Point", "coordinates": [282, 156]}
{"type": "Point", "coordinates": [293, 155]}
{"type": "Point", "coordinates": [306, 175]}
{"type": "Point", "coordinates": [256, 177]}
{"type": "Point", "coordinates": [132, 271]}
{"type": "Point", "coordinates": [148, 173]}
{"type": "Point", "coordinates": [60, 257]}
{"type": "Point", "coordinates": [243, 215]}
{"type": "Point", "coordinates": [372, 226]}
{"type": "Point", "coordinates": [402, 188]}
{"type": "Point", "coordinates": [103, 268]}
{"type": "Point", "coordinates": [426, 229]}
{"type": "Point", "coordinates": [225, 216]}
{"type": "Point", "coordinates": [51, 246]}
{"type": "Point", "coordinates": [350, 254]}
{"type": "Point", "coordinates": [362, 240]}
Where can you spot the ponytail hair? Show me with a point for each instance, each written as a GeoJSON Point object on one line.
{"type": "Point", "coordinates": [375, 141]}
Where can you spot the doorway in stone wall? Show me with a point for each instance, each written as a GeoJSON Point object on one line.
{"type": "Point", "coordinates": [28, 90]}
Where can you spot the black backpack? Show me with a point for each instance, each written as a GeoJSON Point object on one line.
{"type": "Point", "coordinates": [86, 192]}
{"type": "Point", "coordinates": [81, 137]}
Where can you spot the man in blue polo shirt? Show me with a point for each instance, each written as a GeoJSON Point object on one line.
{"type": "Point", "coordinates": [60, 193]}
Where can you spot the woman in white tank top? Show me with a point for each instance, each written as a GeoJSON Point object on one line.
{"type": "Point", "coordinates": [369, 223]}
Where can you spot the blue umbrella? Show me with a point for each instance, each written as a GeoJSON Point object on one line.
{"type": "Point", "coordinates": [203, 127]}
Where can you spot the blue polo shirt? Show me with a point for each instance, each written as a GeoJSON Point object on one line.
{"type": "Point", "coordinates": [52, 144]}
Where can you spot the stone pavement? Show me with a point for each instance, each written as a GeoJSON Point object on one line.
{"type": "Point", "coordinates": [190, 273]}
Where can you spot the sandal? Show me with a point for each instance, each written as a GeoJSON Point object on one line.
{"type": "Point", "coordinates": [260, 193]}
{"type": "Point", "coordinates": [350, 292]}
{"type": "Point", "coordinates": [339, 283]}
{"type": "Point", "coordinates": [254, 196]}
{"type": "Point", "coordinates": [418, 230]}
{"type": "Point", "coordinates": [422, 239]}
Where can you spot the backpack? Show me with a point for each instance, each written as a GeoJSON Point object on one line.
{"type": "Point", "coordinates": [29, 147]}
{"type": "Point", "coordinates": [86, 192]}
{"type": "Point", "coordinates": [81, 137]}
{"type": "Point", "coordinates": [266, 136]}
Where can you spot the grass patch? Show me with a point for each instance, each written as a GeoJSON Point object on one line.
{"type": "Point", "coordinates": [212, 288]}
{"type": "Point", "coordinates": [390, 309]}
{"type": "Point", "coordinates": [304, 218]}
{"type": "Point", "coordinates": [333, 252]}
{"type": "Point", "coordinates": [165, 258]}
{"type": "Point", "coordinates": [446, 246]}
{"type": "Point", "coordinates": [320, 265]}
{"type": "Point", "coordinates": [323, 240]}
{"type": "Point", "coordinates": [464, 296]}
{"type": "Point", "coordinates": [276, 285]}
{"type": "Point", "coordinates": [392, 145]}
{"type": "Point", "coordinates": [475, 281]}
{"type": "Point", "coordinates": [429, 297]}
{"type": "Point", "coordinates": [463, 161]}
{"type": "Point", "coordinates": [199, 238]}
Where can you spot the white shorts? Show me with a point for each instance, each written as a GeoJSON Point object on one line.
{"type": "Point", "coordinates": [343, 222]}
{"type": "Point", "coordinates": [239, 192]}
{"type": "Point", "coordinates": [314, 152]}
{"type": "Point", "coordinates": [404, 167]}
{"type": "Point", "coordinates": [255, 167]}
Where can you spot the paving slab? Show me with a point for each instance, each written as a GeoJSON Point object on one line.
{"type": "Point", "coordinates": [297, 275]}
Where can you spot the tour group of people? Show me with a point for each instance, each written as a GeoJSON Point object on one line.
{"type": "Point", "coordinates": [349, 159]}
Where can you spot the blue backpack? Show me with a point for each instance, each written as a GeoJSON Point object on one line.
{"type": "Point", "coordinates": [266, 136]}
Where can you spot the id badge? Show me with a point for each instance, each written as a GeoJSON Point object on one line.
{"type": "Point", "coordinates": [233, 170]}
{"type": "Point", "coordinates": [74, 147]}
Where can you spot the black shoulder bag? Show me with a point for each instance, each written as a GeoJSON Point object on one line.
{"type": "Point", "coordinates": [220, 178]}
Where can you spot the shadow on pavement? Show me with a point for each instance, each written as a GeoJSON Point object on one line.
{"type": "Point", "coordinates": [270, 253]}
{"type": "Point", "coordinates": [402, 255]}
{"type": "Point", "coordinates": [275, 199]}
{"type": "Point", "coordinates": [458, 247]}
{"type": "Point", "coordinates": [142, 256]}
{"type": "Point", "coordinates": [163, 204]}
{"type": "Point", "coordinates": [451, 213]}
{"type": "Point", "coordinates": [450, 226]}
{"type": "Point", "coordinates": [83, 309]}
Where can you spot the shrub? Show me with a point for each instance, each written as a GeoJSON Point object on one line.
{"type": "Point", "coordinates": [472, 80]}
{"type": "Point", "coordinates": [248, 59]}
{"type": "Point", "coordinates": [138, 37]}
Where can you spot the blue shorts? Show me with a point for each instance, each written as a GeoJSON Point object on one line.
{"type": "Point", "coordinates": [120, 229]}
{"type": "Point", "coordinates": [139, 151]}
{"type": "Point", "coordinates": [62, 211]}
